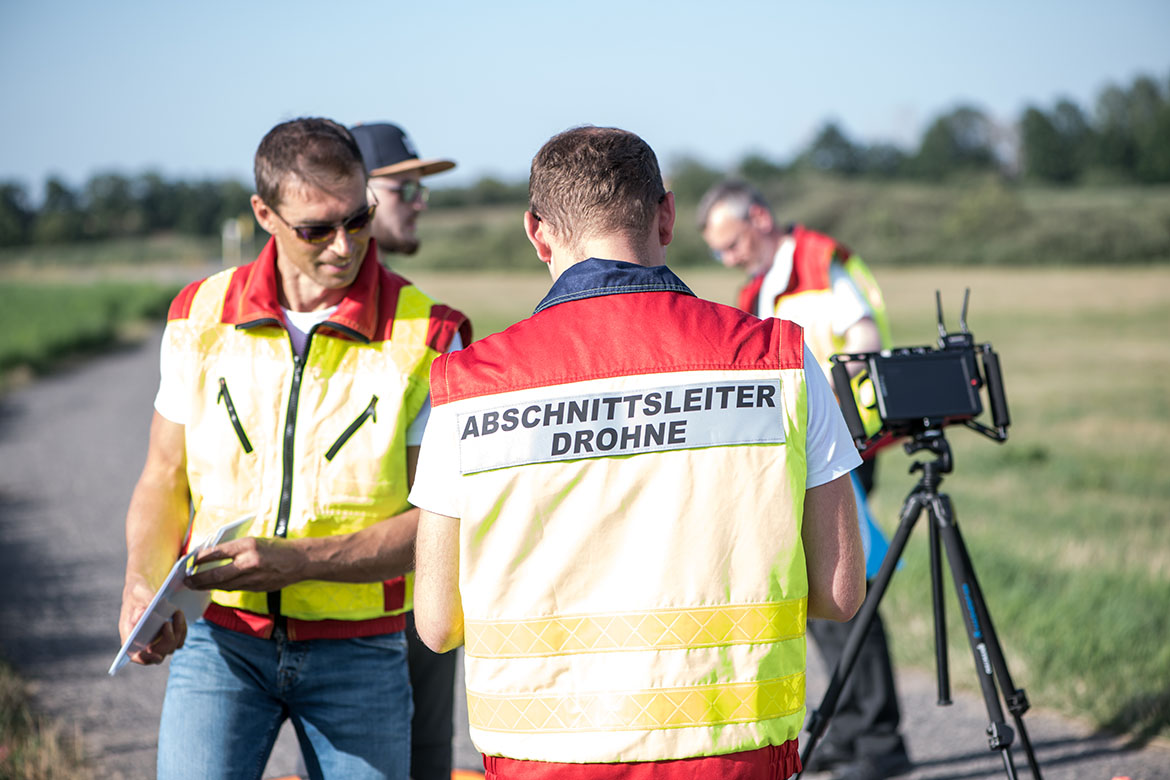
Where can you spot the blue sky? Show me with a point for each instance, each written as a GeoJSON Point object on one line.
{"type": "Point", "coordinates": [190, 88]}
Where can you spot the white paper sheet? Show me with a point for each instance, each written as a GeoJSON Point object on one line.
{"type": "Point", "coordinates": [173, 595]}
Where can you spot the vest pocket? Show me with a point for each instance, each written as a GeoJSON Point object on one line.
{"type": "Point", "coordinates": [226, 397]}
{"type": "Point", "coordinates": [352, 429]}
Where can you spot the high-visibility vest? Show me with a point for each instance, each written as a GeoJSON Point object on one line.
{"type": "Point", "coordinates": [623, 599]}
{"type": "Point", "coordinates": [810, 290]}
{"type": "Point", "coordinates": [312, 445]}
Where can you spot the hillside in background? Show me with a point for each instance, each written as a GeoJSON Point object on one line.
{"type": "Point", "coordinates": [980, 220]}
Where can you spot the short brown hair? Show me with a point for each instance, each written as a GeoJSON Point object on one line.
{"type": "Point", "coordinates": [318, 151]}
{"type": "Point", "coordinates": [589, 180]}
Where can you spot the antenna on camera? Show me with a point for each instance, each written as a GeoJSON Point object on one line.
{"type": "Point", "coordinates": [942, 328]}
{"type": "Point", "coordinates": [963, 314]}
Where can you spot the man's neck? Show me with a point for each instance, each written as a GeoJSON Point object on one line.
{"type": "Point", "coordinates": [772, 243]}
{"type": "Point", "coordinates": [324, 300]}
{"type": "Point", "coordinates": [610, 248]}
{"type": "Point", "coordinates": [297, 293]}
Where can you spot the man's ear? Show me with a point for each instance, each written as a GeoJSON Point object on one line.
{"type": "Point", "coordinates": [264, 215]}
{"type": "Point", "coordinates": [535, 230]}
{"type": "Point", "coordinates": [666, 216]}
{"type": "Point", "coordinates": [760, 218]}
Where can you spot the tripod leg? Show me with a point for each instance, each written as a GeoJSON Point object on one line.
{"type": "Point", "coordinates": [1015, 698]}
{"type": "Point", "coordinates": [818, 719]}
{"type": "Point", "coordinates": [941, 665]}
{"type": "Point", "coordinates": [999, 734]}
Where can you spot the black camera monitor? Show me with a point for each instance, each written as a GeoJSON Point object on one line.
{"type": "Point", "coordinates": [933, 387]}
{"type": "Point", "coordinates": [916, 389]}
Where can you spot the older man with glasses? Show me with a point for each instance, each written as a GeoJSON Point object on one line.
{"type": "Point", "coordinates": [293, 392]}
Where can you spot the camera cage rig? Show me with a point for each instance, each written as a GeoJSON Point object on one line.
{"type": "Point", "coordinates": [918, 392]}
{"type": "Point", "coordinates": [919, 389]}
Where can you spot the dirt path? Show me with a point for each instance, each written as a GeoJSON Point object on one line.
{"type": "Point", "coordinates": [71, 447]}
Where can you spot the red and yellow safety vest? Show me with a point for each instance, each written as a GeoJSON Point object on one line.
{"type": "Point", "coordinates": [810, 290]}
{"type": "Point", "coordinates": [312, 445]}
{"type": "Point", "coordinates": [623, 601]}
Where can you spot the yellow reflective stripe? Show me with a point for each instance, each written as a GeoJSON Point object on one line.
{"type": "Point", "coordinates": [663, 708]}
{"type": "Point", "coordinates": [654, 630]}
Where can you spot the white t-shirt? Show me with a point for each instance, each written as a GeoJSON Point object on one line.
{"type": "Point", "coordinates": [172, 402]}
{"type": "Point", "coordinates": [830, 450]}
{"type": "Point", "coordinates": [848, 305]}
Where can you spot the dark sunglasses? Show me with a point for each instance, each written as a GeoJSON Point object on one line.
{"type": "Point", "coordinates": [319, 234]}
{"type": "Point", "coordinates": [410, 191]}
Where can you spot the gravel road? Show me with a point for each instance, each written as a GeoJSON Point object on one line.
{"type": "Point", "coordinates": [71, 447]}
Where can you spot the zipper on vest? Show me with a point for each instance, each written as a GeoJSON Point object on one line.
{"type": "Point", "coordinates": [288, 438]}
{"type": "Point", "coordinates": [369, 413]}
{"type": "Point", "coordinates": [226, 397]}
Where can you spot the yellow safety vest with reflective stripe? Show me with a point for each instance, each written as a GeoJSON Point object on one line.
{"type": "Point", "coordinates": [311, 446]}
{"type": "Point", "coordinates": [623, 600]}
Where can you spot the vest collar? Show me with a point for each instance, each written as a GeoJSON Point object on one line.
{"type": "Point", "coordinates": [595, 277]}
{"type": "Point", "coordinates": [258, 302]}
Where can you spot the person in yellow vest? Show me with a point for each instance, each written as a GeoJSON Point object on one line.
{"type": "Point", "coordinates": [396, 173]}
{"type": "Point", "coordinates": [294, 391]}
{"type": "Point", "coordinates": [628, 610]}
{"type": "Point", "coordinates": [808, 277]}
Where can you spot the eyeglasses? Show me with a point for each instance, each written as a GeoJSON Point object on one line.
{"type": "Point", "coordinates": [718, 253]}
{"type": "Point", "coordinates": [319, 234]}
{"type": "Point", "coordinates": [410, 191]}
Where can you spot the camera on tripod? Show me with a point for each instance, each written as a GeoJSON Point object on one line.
{"type": "Point", "coordinates": [918, 389]}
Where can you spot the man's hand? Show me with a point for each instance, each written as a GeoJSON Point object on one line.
{"type": "Point", "coordinates": [170, 637]}
{"type": "Point", "coordinates": [255, 564]}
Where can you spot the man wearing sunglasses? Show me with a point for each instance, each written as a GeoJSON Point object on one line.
{"type": "Point", "coordinates": [293, 392]}
{"type": "Point", "coordinates": [395, 170]}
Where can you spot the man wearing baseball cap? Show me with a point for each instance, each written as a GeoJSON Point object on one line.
{"type": "Point", "coordinates": [395, 171]}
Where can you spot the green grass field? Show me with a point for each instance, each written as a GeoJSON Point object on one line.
{"type": "Point", "coordinates": [45, 322]}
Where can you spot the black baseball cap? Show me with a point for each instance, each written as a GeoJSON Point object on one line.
{"type": "Point", "coordinates": [387, 149]}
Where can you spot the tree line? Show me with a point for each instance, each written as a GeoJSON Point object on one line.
{"type": "Point", "coordinates": [1124, 138]}
{"type": "Point", "coordinates": [111, 205]}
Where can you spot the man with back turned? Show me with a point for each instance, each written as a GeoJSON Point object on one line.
{"type": "Point", "coordinates": [624, 610]}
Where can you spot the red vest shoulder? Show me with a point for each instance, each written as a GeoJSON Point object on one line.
{"type": "Point", "coordinates": [814, 254]}
{"type": "Point", "coordinates": [616, 335]}
{"type": "Point", "coordinates": [181, 305]}
{"type": "Point", "coordinates": [445, 321]}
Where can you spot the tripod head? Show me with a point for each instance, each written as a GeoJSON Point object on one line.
{"type": "Point", "coordinates": [934, 441]}
{"type": "Point", "coordinates": [923, 389]}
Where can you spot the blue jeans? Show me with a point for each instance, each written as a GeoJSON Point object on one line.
{"type": "Point", "coordinates": [229, 693]}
